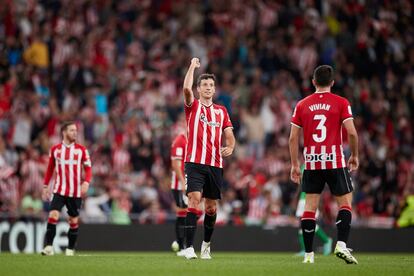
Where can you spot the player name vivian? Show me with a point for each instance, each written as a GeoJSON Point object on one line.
{"type": "Point", "coordinates": [320, 106]}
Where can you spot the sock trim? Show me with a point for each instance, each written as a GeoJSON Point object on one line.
{"type": "Point", "coordinates": [308, 215]}
{"type": "Point", "coordinates": [74, 225]}
{"type": "Point", "coordinates": [181, 214]}
{"type": "Point", "coordinates": [193, 210]}
{"type": "Point", "coordinates": [211, 213]}
{"type": "Point", "coordinates": [52, 221]}
{"type": "Point", "coordinates": [346, 208]}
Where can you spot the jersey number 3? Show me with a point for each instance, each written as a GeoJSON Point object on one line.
{"type": "Point", "coordinates": [321, 127]}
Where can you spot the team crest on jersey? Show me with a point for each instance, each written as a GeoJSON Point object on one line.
{"type": "Point", "coordinates": [203, 118]}
{"type": "Point", "coordinates": [217, 111]}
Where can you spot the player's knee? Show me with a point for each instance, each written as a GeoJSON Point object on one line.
{"type": "Point", "coordinates": [211, 210]}
{"type": "Point", "coordinates": [193, 202]}
{"type": "Point", "coordinates": [73, 221]}
{"type": "Point", "coordinates": [54, 215]}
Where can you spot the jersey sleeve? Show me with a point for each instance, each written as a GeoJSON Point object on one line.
{"type": "Point", "coordinates": [177, 149]}
{"type": "Point", "coordinates": [188, 109]}
{"type": "Point", "coordinates": [346, 112]}
{"type": "Point", "coordinates": [226, 122]}
{"type": "Point", "coordinates": [87, 165]}
{"type": "Point", "coordinates": [50, 167]}
{"type": "Point", "coordinates": [86, 159]}
{"type": "Point", "coordinates": [296, 116]}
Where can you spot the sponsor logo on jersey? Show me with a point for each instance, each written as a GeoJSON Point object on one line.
{"type": "Point", "coordinates": [319, 157]}
{"type": "Point", "coordinates": [203, 118]}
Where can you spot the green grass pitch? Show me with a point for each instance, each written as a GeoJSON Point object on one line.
{"type": "Point", "coordinates": [234, 264]}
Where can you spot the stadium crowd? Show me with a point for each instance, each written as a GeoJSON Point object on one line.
{"type": "Point", "coordinates": [117, 68]}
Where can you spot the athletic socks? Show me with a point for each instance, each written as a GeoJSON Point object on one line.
{"type": "Point", "coordinates": [308, 229]}
{"type": "Point", "coordinates": [209, 222]}
{"type": "Point", "coordinates": [180, 229]}
{"type": "Point", "coordinates": [191, 225]}
{"type": "Point", "coordinates": [343, 223]}
{"type": "Point", "coordinates": [50, 231]}
{"type": "Point", "coordinates": [73, 235]}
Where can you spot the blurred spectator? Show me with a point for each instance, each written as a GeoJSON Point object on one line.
{"type": "Point", "coordinates": [116, 67]}
{"type": "Point", "coordinates": [32, 206]}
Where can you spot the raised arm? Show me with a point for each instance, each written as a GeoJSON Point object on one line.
{"type": "Point", "coordinates": [353, 162]}
{"type": "Point", "coordinates": [188, 82]}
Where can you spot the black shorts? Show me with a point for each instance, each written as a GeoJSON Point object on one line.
{"type": "Point", "coordinates": [205, 179]}
{"type": "Point", "coordinates": [73, 204]}
{"type": "Point", "coordinates": [178, 197]}
{"type": "Point", "coordinates": [338, 180]}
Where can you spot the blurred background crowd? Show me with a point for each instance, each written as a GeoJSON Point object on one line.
{"type": "Point", "coordinates": [117, 67]}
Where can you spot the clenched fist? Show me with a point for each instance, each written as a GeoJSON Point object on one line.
{"type": "Point", "coordinates": [195, 62]}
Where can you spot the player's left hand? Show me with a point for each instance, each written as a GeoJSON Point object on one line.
{"type": "Point", "coordinates": [353, 163]}
{"type": "Point", "coordinates": [226, 151]}
{"type": "Point", "coordinates": [295, 174]}
{"type": "Point", "coordinates": [84, 188]}
{"type": "Point", "coordinates": [46, 193]}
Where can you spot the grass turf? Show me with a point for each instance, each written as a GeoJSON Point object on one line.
{"type": "Point", "coordinates": [235, 264]}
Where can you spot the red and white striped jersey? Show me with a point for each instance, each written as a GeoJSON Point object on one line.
{"type": "Point", "coordinates": [67, 162]}
{"type": "Point", "coordinates": [321, 116]}
{"type": "Point", "coordinates": [205, 126]}
{"type": "Point", "coordinates": [178, 153]}
{"type": "Point", "coordinates": [257, 209]}
{"type": "Point", "coordinates": [121, 160]}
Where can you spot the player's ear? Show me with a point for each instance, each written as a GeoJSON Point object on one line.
{"type": "Point", "coordinates": [332, 83]}
{"type": "Point", "coordinates": [314, 82]}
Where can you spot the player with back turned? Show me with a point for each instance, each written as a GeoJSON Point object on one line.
{"type": "Point", "coordinates": [67, 160]}
{"type": "Point", "coordinates": [321, 116]}
{"type": "Point", "coordinates": [207, 125]}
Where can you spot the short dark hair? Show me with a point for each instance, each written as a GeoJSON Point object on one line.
{"type": "Point", "coordinates": [323, 75]}
{"type": "Point", "coordinates": [205, 77]}
{"type": "Point", "coordinates": [65, 125]}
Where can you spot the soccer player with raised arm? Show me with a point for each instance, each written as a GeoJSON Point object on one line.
{"type": "Point", "coordinates": [321, 116]}
{"type": "Point", "coordinates": [67, 160]}
{"type": "Point", "coordinates": [178, 188]}
{"type": "Point", "coordinates": [207, 125]}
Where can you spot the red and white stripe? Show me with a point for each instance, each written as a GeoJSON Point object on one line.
{"type": "Point", "coordinates": [205, 126]}
{"type": "Point", "coordinates": [9, 191]}
{"type": "Point", "coordinates": [337, 162]}
{"type": "Point", "coordinates": [68, 168]}
{"type": "Point", "coordinates": [32, 169]}
{"type": "Point", "coordinates": [121, 160]}
{"type": "Point", "coordinates": [257, 208]}
{"type": "Point", "coordinates": [178, 153]}
{"type": "Point", "coordinates": [175, 183]}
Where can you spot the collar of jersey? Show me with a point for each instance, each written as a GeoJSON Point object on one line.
{"type": "Point", "coordinates": [68, 146]}
{"type": "Point", "coordinates": [206, 106]}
